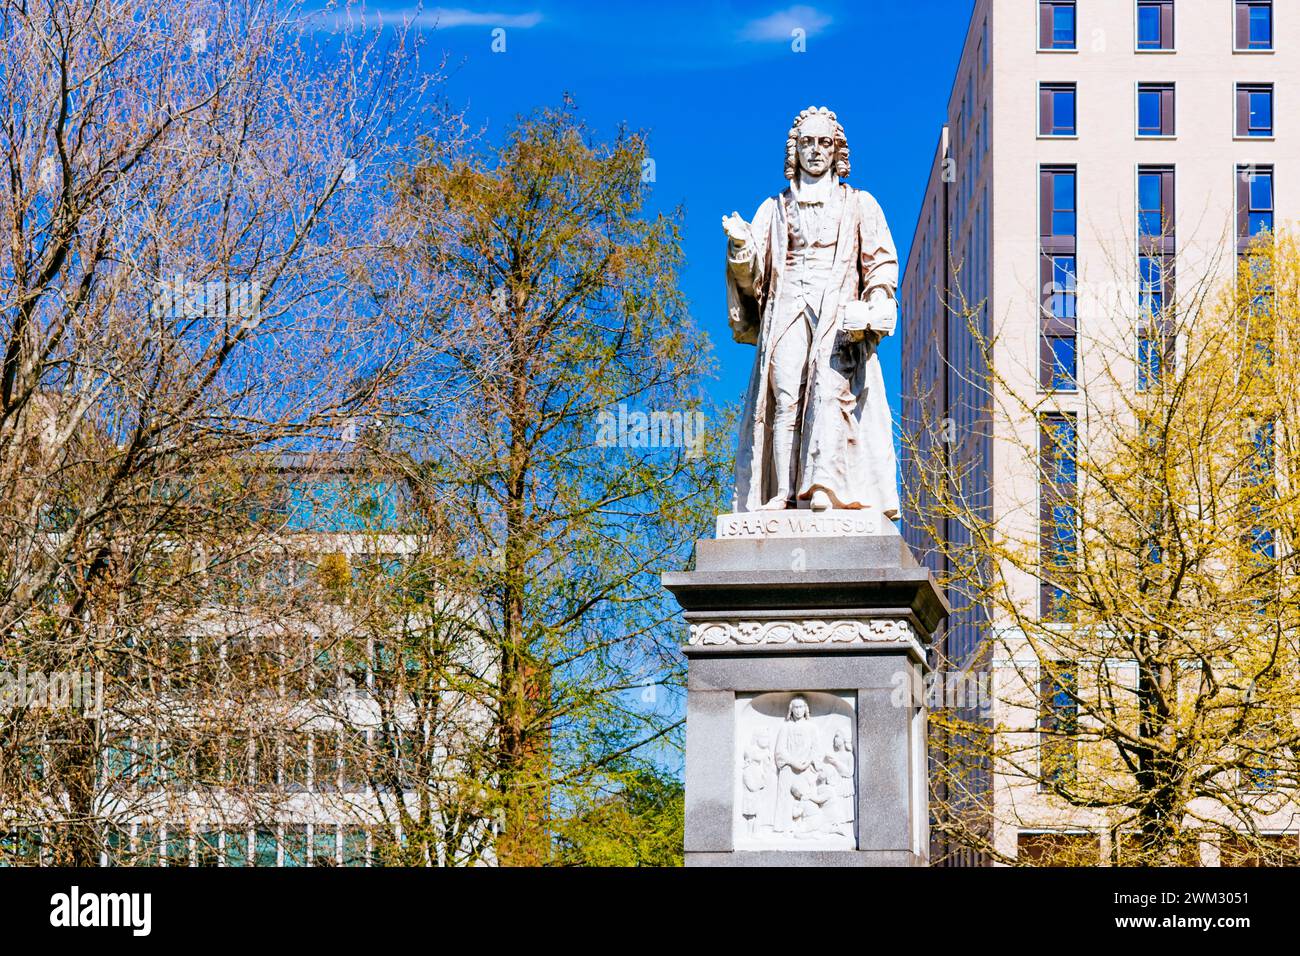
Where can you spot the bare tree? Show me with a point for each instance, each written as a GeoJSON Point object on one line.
{"type": "Point", "coordinates": [191, 286]}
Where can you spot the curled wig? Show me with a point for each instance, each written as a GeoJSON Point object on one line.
{"type": "Point", "coordinates": [840, 161]}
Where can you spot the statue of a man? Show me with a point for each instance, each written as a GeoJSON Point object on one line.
{"type": "Point", "coordinates": [811, 281]}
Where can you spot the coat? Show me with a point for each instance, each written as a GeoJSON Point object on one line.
{"type": "Point", "coordinates": [846, 442]}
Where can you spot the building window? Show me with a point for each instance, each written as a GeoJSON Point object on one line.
{"type": "Point", "coordinates": [177, 846]}
{"type": "Point", "coordinates": [1058, 849]}
{"type": "Point", "coordinates": [295, 844]}
{"type": "Point", "coordinates": [1266, 849]}
{"type": "Point", "coordinates": [1255, 109]}
{"type": "Point", "coordinates": [1056, 113]}
{"type": "Point", "coordinates": [1058, 723]}
{"type": "Point", "coordinates": [146, 847]}
{"type": "Point", "coordinates": [235, 845]}
{"type": "Point", "coordinates": [1058, 360]}
{"type": "Point", "coordinates": [355, 851]}
{"type": "Point", "coordinates": [324, 845]}
{"type": "Point", "coordinates": [1254, 203]}
{"type": "Point", "coordinates": [1056, 27]}
{"type": "Point", "coordinates": [207, 848]}
{"type": "Point", "coordinates": [1155, 25]}
{"type": "Point", "coordinates": [1254, 26]}
{"type": "Point", "coordinates": [117, 846]}
{"type": "Point", "coordinates": [325, 762]}
{"type": "Point", "coordinates": [297, 760]}
{"type": "Point", "coordinates": [1058, 220]}
{"type": "Point", "coordinates": [1129, 849]}
{"type": "Point", "coordinates": [1156, 339]}
{"type": "Point", "coordinates": [1154, 277]}
{"type": "Point", "coordinates": [1260, 538]}
{"type": "Point", "coordinates": [1058, 515]}
{"type": "Point", "coordinates": [1156, 206]}
{"type": "Point", "coordinates": [1155, 356]}
{"type": "Point", "coordinates": [265, 851]}
{"type": "Point", "coordinates": [1155, 109]}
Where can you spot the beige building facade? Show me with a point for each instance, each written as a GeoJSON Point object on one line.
{"type": "Point", "coordinates": [1092, 152]}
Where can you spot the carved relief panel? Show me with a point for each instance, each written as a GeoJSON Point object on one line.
{"type": "Point", "coordinates": [795, 773]}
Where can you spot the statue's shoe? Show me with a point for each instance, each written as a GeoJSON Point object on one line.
{"type": "Point", "coordinates": [821, 501]}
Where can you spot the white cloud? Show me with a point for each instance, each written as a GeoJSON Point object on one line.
{"type": "Point", "coordinates": [779, 25]}
{"type": "Point", "coordinates": [429, 18]}
{"type": "Point", "coordinates": [447, 17]}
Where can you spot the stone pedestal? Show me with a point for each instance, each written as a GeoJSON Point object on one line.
{"type": "Point", "coordinates": [805, 727]}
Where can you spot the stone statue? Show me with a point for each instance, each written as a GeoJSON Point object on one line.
{"type": "Point", "coordinates": [811, 282]}
{"type": "Point", "coordinates": [798, 751]}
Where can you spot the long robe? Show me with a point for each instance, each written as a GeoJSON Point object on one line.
{"type": "Point", "coordinates": [797, 742]}
{"type": "Point", "coordinates": [846, 442]}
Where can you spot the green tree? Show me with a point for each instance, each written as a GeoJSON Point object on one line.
{"type": "Point", "coordinates": [559, 322]}
{"type": "Point", "coordinates": [639, 822]}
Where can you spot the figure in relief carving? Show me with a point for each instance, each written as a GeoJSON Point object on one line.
{"type": "Point", "coordinates": [759, 780]}
{"type": "Point", "coordinates": [798, 751]}
{"type": "Point", "coordinates": [819, 810]}
{"type": "Point", "coordinates": [841, 760]}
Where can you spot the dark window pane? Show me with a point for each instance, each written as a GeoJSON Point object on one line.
{"type": "Point", "coordinates": [1062, 299]}
{"type": "Point", "coordinates": [264, 848]}
{"type": "Point", "coordinates": [1149, 216]}
{"type": "Point", "coordinates": [1149, 112]}
{"type": "Point", "coordinates": [1261, 222]}
{"type": "Point", "coordinates": [1063, 26]}
{"type": "Point", "coordinates": [1261, 203]}
{"type": "Point", "coordinates": [1063, 115]}
{"type": "Point", "coordinates": [354, 847]}
{"type": "Point", "coordinates": [207, 848]}
{"type": "Point", "coordinates": [1151, 286]}
{"type": "Point", "coordinates": [323, 849]}
{"type": "Point", "coordinates": [146, 852]}
{"type": "Point", "coordinates": [1155, 353]}
{"type": "Point", "coordinates": [1261, 191]}
{"type": "Point", "coordinates": [1059, 849]}
{"type": "Point", "coordinates": [1149, 361]}
{"type": "Point", "coordinates": [1261, 26]}
{"type": "Point", "coordinates": [237, 848]}
{"type": "Point", "coordinates": [1061, 533]}
{"type": "Point", "coordinates": [178, 846]}
{"type": "Point", "coordinates": [295, 760]}
{"type": "Point", "coordinates": [1149, 26]}
{"type": "Point", "coordinates": [295, 845]}
{"type": "Point", "coordinates": [1064, 359]}
{"type": "Point", "coordinates": [356, 760]}
{"type": "Point", "coordinates": [1261, 112]}
{"type": "Point", "coordinates": [325, 752]}
{"type": "Point", "coordinates": [117, 845]}
{"type": "Point", "coordinates": [1063, 222]}
{"type": "Point", "coordinates": [1059, 451]}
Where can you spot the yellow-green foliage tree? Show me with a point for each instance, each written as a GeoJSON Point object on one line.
{"type": "Point", "coordinates": [1145, 622]}
{"type": "Point", "coordinates": [574, 466]}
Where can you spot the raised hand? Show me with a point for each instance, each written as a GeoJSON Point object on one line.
{"type": "Point", "coordinates": [737, 229]}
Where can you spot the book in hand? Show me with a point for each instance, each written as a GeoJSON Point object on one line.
{"type": "Point", "coordinates": [880, 315]}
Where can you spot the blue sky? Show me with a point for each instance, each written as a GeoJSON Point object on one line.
{"type": "Point", "coordinates": [715, 85]}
